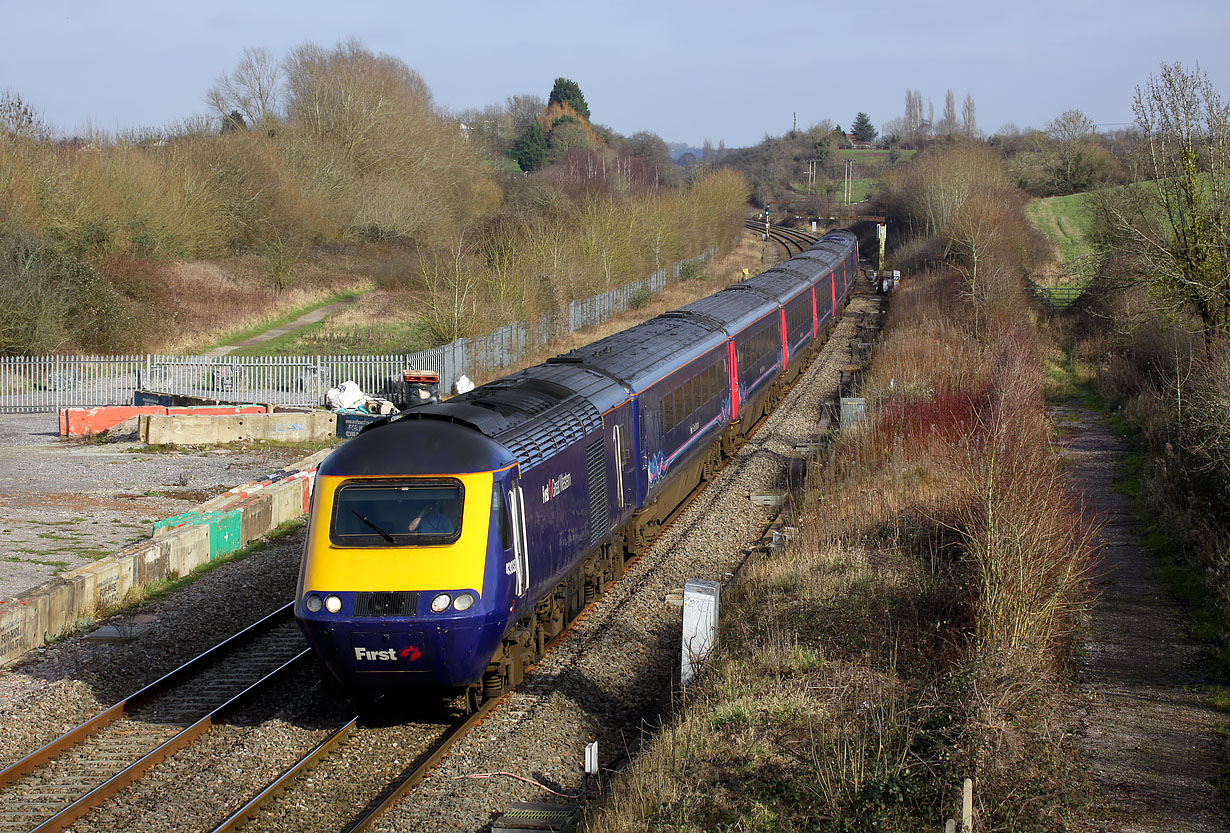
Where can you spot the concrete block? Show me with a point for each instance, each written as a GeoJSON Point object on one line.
{"type": "Point", "coordinates": [106, 584]}
{"type": "Point", "coordinates": [21, 627]}
{"type": "Point", "coordinates": [225, 532]}
{"type": "Point", "coordinates": [216, 410]}
{"type": "Point", "coordinates": [188, 548]}
{"type": "Point", "coordinates": [85, 589]}
{"type": "Point", "coordinates": [206, 430]}
{"type": "Point", "coordinates": [81, 422]}
{"type": "Point", "coordinates": [286, 500]}
{"type": "Point", "coordinates": [256, 517]}
{"type": "Point", "coordinates": [167, 525]}
{"type": "Point", "coordinates": [12, 630]}
{"type": "Point", "coordinates": [775, 497]}
{"type": "Point", "coordinates": [148, 560]}
{"type": "Point", "coordinates": [38, 606]}
{"type": "Point", "coordinates": [62, 611]}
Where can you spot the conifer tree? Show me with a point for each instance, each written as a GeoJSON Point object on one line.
{"type": "Point", "coordinates": [569, 92]}
{"type": "Point", "coordinates": [532, 148]}
{"type": "Point", "coordinates": [862, 129]}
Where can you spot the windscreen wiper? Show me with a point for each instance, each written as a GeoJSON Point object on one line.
{"type": "Point", "coordinates": [386, 536]}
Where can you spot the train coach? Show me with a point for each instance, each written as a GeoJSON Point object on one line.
{"type": "Point", "coordinates": [448, 544]}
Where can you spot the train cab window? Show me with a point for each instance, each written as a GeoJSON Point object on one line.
{"type": "Point", "coordinates": [396, 514]}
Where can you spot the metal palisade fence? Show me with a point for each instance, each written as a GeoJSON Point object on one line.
{"type": "Point", "coordinates": [31, 384]}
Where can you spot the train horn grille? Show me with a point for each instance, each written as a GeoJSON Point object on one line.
{"type": "Point", "coordinates": [389, 603]}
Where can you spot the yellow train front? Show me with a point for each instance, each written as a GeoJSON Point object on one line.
{"type": "Point", "coordinates": [405, 579]}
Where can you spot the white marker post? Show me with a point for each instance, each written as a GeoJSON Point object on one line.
{"type": "Point", "coordinates": [700, 626]}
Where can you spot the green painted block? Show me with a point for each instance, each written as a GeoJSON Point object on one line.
{"type": "Point", "coordinates": [184, 519]}
{"type": "Point", "coordinates": [225, 528]}
{"type": "Point", "coordinates": [225, 532]}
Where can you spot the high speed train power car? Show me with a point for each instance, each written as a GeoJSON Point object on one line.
{"type": "Point", "coordinates": [447, 544]}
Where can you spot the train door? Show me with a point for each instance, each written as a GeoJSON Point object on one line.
{"type": "Point", "coordinates": [624, 462]}
{"type": "Point", "coordinates": [521, 556]}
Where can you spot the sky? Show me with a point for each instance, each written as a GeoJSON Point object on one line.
{"type": "Point", "coordinates": [688, 71]}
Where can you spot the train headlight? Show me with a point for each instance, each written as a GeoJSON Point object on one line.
{"type": "Point", "coordinates": [441, 602]}
{"type": "Point", "coordinates": [313, 604]}
{"type": "Point", "coordinates": [464, 601]}
{"type": "Point", "coordinates": [333, 604]}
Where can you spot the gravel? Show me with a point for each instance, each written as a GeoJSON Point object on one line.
{"type": "Point", "coordinates": [67, 503]}
{"type": "Point", "coordinates": [55, 687]}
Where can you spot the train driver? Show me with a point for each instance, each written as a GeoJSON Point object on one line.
{"type": "Point", "coordinates": [431, 521]}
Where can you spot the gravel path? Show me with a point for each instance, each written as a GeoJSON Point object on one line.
{"type": "Point", "coordinates": [1151, 741]}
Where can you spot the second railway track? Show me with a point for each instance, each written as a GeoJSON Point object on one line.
{"type": "Point", "coordinates": [55, 785]}
{"type": "Point", "coordinates": [792, 240]}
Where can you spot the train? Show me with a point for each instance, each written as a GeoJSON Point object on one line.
{"type": "Point", "coordinates": [448, 544]}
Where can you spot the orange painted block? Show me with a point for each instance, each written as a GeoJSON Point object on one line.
{"type": "Point", "coordinates": [216, 410]}
{"type": "Point", "coordinates": [80, 422]}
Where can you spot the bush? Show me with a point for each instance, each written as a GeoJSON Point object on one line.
{"type": "Point", "coordinates": [50, 301]}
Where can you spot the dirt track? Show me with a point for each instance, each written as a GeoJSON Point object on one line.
{"type": "Point", "coordinates": [1150, 740]}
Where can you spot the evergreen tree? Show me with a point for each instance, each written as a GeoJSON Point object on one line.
{"type": "Point", "coordinates": [532, 149]}
{"type": "Point", "coordinates": [569, 92]}
{"type": "Point", "coordinates": [862, 129]}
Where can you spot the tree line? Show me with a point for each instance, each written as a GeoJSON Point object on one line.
{"type": "Point", "coordinates": [333, 147]}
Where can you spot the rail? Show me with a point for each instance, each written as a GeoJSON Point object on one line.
{"type": "Point", "coordinates": [37, 798]}
{"type": "Point", "coordinates": [794, 241]}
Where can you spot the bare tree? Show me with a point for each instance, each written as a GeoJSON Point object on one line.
{"type": "Point", "coordinates": [523, 109]}
{"type": "Point", "coordinates": [19, 120]}
{"type": "Point", "coordinates": [911, 127]}
{"type": "Point", "coordinates": [253, 89]}
{"type": "Point", "coordinates": [969, 123]}
{"type": "Point", "coordinates": [948, 123]}
{"type": "Point", "coordinates": [1071, 126]}
{"type": "Point", "coordinates": [1176, 228]}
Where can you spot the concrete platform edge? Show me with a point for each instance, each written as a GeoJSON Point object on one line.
{"type": "Point", "coordinates": [57, 606]}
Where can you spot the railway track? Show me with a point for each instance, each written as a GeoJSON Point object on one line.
{"type": "Point", "coordinates": [274, 806]}
{"type": "Point", "coordinates": [54, 786]}
{"type": "Point", "coordinates": [282, 803]}
{"type": "Point", "coordinates": [794, 241]}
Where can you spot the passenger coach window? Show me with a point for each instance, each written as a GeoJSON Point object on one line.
{"type": "Point", "coordinates": [387, 514]}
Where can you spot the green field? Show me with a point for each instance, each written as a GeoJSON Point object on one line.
{"type": "Point", "coordinates": [875, 155]}
{"type": "Point", "coordinates": [1067, 222]}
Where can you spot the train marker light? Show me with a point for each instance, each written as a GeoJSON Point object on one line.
{"type": "Point", "coordinates": [464, 601]}
{"type": "Point", "coordinates": [441, 602]}
{"type": "Point", "coordinates": [313, 604]}
{"type": "Point", "coordinates": [333, 604]}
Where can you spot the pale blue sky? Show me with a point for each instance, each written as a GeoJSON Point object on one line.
{"type": "Point", "coordinates": [684, 70]}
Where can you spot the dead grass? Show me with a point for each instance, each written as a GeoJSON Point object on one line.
{"type": "Point", "coordinates": [206, 301]}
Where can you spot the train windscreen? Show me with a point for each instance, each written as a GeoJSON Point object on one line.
{"type": "Point", "coordinates": [397, 514]}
